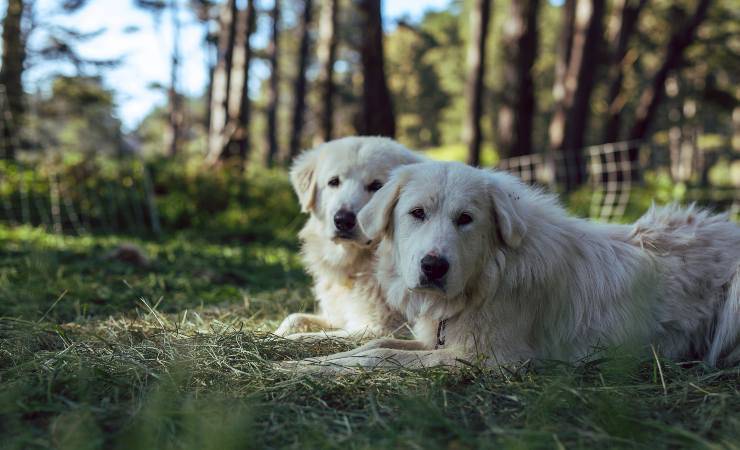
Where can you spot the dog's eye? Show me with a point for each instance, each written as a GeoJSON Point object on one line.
{"type": "Point", "coordinates": [418, 213]}
{"type": "Point", "coordinates": [334, 181]}
{"type": "Point", "coordinates": [374, 186]}
{"type": "Point", "coordinates": [464, 219]}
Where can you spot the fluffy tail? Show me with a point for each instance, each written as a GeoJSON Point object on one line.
{"type": "Point", "coordinates": [725, 345]}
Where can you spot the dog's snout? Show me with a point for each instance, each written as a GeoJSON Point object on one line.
{"type": "Point", "coordinates": [434, 267]}
{"type": "Point", "coordinates": [345, 220]}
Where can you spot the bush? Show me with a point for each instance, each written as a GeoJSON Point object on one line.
{"type": "Point", "coordinates": [114, 195]}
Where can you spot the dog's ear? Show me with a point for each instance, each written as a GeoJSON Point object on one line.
{"type": "Point", "coordinates": [507, 213]}
{"type": "Point", "coordinates": [303, 178]}
{"type": "Point", "coordinates": [375, 217]}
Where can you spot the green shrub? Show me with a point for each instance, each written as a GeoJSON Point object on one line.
{"type": "Point", "coordinates": [108, 195]}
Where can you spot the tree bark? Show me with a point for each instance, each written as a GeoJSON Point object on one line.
{"type": "Point", "coordinates": [217, 139]}
{"type": "Point", "coordinates": [628, 13]}
{"type": "Point", "coordinates": [587, 44]}
{"type": "Point", "coordinates": [241, 135]}
{"type": "Point", "coordinates": [11, 75]}
{"type": "Point", "coordinates": [516, 113]}
{"type": "Point", "coordinates": [175, 102]}
{"type": "Point", "coordinates": [327, 53]}
{"type": "Point", "coordinates": [299, 91]}
{"type": "Point", "coordinates": [203, 11]}
{"type": "Point", "coordinates": [653, 95]}
{"type": "Point", "coordinates": [476, 57]}
{"type": "Point", "coordinates": [209, 92]}
{"type": "Point", "coordinates": [572, 114]}
{"type": "Point", "coordinates": [556, 129]}
{"type": "Point", "coordinates": [273, 94]}
{"type": "Point", "coordinates": [377, 108]}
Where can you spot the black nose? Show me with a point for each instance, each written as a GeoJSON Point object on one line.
{"type": "Point", "coordinates": [434, 267]}
{"type": "Point", "coordinates": [345, 220]}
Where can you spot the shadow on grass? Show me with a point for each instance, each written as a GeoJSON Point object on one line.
{"type": "Point", "coordinates": [184, 271]}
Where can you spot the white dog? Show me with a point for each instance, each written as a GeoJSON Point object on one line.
{"type": "Point", "coordinates": [491, 270]}
{"type": "Point", "coordinates": [333, 182]}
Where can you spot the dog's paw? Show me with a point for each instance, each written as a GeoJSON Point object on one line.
{"type": "Point", "coordinates": [292, 324]}
{"type": "Point", "coordinates": [285, 329]}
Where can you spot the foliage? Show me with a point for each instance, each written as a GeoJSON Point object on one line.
{"type": "Point", "coordinates": [458, 152]}
{"type": "Point", "coordinates": [151, 133]}
{"type": "Point", "coordinates": [78, 115]}
{"type": "Point", "coordinates": [253, 206]}
{"type": "Point", "coordinates": [113, 195]}
{"type": "Point", "coordinates": [423, 89]}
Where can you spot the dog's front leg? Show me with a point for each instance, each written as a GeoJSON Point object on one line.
{"type": "Point", "coordinates": [387, 343]}
{"type": "Point", "coordinates": [390, 343]}
{"type": "Point", "coordinates": [316, 336]}
{"type": "Point", "coordinates": [377, 358]}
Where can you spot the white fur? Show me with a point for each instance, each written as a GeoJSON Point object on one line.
{"type": "Point", "coordinates": [527, 281]}
{"type": "Point", "coordinates": [349, 298]}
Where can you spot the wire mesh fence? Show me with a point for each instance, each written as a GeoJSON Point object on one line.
{"type": "Point", "coordinates": [89, 196]}
{"type": "Point", "coordinates": [614, 173]}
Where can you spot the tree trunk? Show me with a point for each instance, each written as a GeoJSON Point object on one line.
{"type": "Point", "coordinates": [241, 135]}
{"type": "Point", "coordinates": [299, 91]}
{"type": "Point", "coordinates": [556, 129]}
{"type": "Point", "coordinates": [174, 104]}
{"type": "Point", "coordinates": [217, 134]}
{"type": "Point", "coordinates": [377, 107]}
{"type": "Point", "coordinates": [11, 75]}
{"type": "Point", "coordinates": [472, 136]}
{"type": "Point", "coordinates": [585, 57]}
{"type": "Point", "coordinates": [209, 94]}
{"type": "Point", "coordinates": [273, 94]}
{"type": "Point", "coordinates": [653, 95]}
{"type": "Point", "coordinates": [572, 113]}
{"type": "Point", "coordinates": [734, 140]}
{"type": "Point", "coordinates": [210, 44]}
{"type": "Point", "coordinates": [327, 53]}
{"type": "Point", "coordinates": [516, 113]}
{"type": "Point", "coordinates": [626, 17]}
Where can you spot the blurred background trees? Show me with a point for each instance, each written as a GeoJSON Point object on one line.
{"type": "Point", "coordinates": [480, 80]}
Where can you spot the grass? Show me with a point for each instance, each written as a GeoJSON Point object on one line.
{"type": "Point", "coordinates": [98, 353]}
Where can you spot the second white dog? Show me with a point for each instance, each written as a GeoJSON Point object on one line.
{"type": "Point", "coordinates": [333, 182]}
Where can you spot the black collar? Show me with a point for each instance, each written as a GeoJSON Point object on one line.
{"type": "Point", "coordinates": [441, 334]}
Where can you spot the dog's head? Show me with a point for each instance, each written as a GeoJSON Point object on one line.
{"type": "Point", "coordinates": [445, 221]}
{"type": "Point", "coordinates": [336, 179]}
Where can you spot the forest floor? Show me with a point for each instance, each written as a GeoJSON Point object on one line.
{"type": "Point", "coordinates": [175, 352]}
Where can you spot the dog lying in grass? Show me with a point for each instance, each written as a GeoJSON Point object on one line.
{"type": "Point", "coordinates": [491, 270]}
{"type": "Point", "coordinates": [333, 182]}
